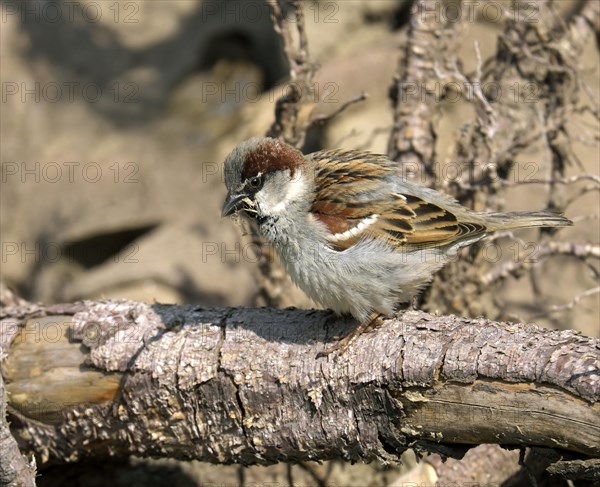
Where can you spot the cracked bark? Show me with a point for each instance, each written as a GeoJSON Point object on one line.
{"type": "Point", "coordinates": [243, 385]}
{"type": "Point", "coordinates": [14, 468]}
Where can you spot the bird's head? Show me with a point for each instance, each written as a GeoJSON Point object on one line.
{"type": "Point", "coordinates": [265, 178]}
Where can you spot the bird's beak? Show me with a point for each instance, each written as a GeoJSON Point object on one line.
{"type": "Point", "coordinates": [233, 203]}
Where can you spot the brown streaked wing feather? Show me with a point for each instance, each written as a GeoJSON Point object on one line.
{"type": "Point", "coordinates": [406, 222]}
{"type": "Point", "coordinates": [437, 226]}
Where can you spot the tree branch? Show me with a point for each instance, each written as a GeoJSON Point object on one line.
{"type": "Point", "coordinates": [287, 124]}
{"type": "Point", "coordinates": [244, 386]}
{"type": "Point", "coordinates": [290, 126]}
{"type": "Point", "coordinates": [412, 138]}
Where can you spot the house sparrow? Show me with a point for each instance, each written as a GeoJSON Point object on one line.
{"type": "Point", "coordinates": [352, 233]}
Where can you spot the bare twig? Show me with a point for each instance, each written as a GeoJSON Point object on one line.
{"type": "Point", "coordinates": [565, 181]}
{"type": "Point", "coordinates": [323, 119]}
{"type": "Point", "coordinates": [516, 267]}
{"type": "Point", "coordinates": [582, 192]}
{"type": "Point", "coordinates": [556, 308]}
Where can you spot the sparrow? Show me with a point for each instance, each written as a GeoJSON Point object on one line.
{"type": "Point", "coordinates": [351, 231]}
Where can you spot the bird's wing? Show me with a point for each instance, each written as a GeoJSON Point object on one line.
{"type": "Point", "coordinates": [356, 199]}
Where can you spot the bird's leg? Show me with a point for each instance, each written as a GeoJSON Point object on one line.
{"type": "Point", "coordinates": [342, 345]}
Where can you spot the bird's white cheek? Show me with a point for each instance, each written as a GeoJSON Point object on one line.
{"type": "Point", "coordinates": [275, 203]}
{"type": "Point", "coordinates": [296, 188]}
{"type": "Point", "coordinates": [265, 202]}
{"type": "Point", "coordinates": [279, 207]}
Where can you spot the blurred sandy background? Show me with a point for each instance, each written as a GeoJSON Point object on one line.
{"type": "Point", "coordinates": [116, 117]}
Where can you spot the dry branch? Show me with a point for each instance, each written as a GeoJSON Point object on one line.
{"type": "Point", "coordinates": [412, 139]}
{"type": "Point", "coordinates": [290, 126]}
{"type": "Point", "coordinates": [244, 386]}
{"type": "Point", "coordinates": [287, 124]}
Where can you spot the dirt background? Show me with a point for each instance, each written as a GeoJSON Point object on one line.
{"type": "Point", "coordinates": [116, 119]}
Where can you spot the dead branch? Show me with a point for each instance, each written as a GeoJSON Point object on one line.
{"type": "Point", "coordinates": [290, 126]}
{"type": "Point", "coordinates": [545, 56]}
{"type": "Point", "coordinates": [515, 268]}
{"type": "Point", "coordinates": [570, 305]}
{"type": "Point", "coordinates": [412, 139]}
{"type": "Point", "coordinates": [322, 119]}
{"type": "Point", "coordinates": [287, 124]}
{"type": "Point", "coordinates": [244, 386]}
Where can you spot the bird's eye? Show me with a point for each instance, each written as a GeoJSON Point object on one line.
{"type": "Point", "coordinates": [255, 182]}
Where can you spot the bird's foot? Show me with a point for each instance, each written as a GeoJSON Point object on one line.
{"type": "Point", "coordinates": [342, 344]}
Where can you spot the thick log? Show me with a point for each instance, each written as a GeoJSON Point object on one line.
{"type": "Point", "coordinates": [245, 386]}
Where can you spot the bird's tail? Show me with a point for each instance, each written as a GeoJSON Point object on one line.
{"type": "Point", "coordinates": [526, 219]}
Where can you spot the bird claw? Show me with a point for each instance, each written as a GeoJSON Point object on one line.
{"type": "Point", "coordinates": [344, 343]}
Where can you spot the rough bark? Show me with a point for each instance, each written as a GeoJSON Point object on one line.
{"type": "Point", "coordinates": [14, 468]}
{"type": "Point", "coordinates": [244, 386]}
